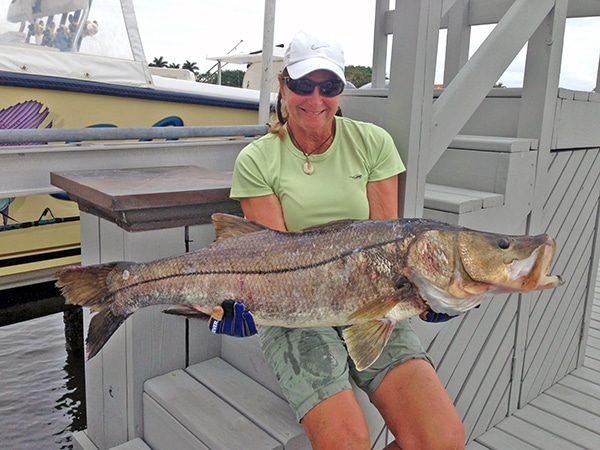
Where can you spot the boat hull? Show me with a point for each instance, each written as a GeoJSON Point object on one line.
{"type": "Point", "coordinates": [77, 104]}
{"type": "Point", "coordinates": [45, 102]}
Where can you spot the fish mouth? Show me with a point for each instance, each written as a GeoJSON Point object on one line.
{"type": "Point", "coordinates": [532, 273]}
{"type": "Point", "coordinates": [548, 281]}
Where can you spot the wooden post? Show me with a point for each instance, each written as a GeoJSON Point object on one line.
{"type": "Point", "coordinates": [380, 41]}
{"type": "Point", "coordinates": [414, 48]}
{"type": "Point", "coordinates": [457, 40]}
{"type": "Point", "coordinates": [538, 102]}
{"type": "Point", "coordinates": [536, 120]}
{"type": "Point", "coordinates": [73, 320]}
{"type": "Point", "coordinates": [150, 343]}
{"type": "Point", "coordinates": [597, 88]}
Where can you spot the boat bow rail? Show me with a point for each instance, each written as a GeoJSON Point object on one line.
{"type": "Point", "coordinates": [25, 170]}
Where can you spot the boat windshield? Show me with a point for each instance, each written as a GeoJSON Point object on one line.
{"type": "Point", "coordinates": [81, 26]}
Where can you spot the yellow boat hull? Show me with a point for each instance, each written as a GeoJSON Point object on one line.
{"type": "Point", "coordinates": [38, 248]}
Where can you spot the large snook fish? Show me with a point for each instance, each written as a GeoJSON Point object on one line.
{"type": "Point", "coordinates": [367, 274]}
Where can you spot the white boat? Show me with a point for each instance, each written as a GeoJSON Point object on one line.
{"type": "Point", "coordinates": [80, 64]}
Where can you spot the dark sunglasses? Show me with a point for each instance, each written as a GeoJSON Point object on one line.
{"type": "Point", "coordinates": [304, 86]}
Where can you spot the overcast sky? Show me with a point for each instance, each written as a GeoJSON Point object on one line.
{"type": "Point", "coordinates": [180, 30]}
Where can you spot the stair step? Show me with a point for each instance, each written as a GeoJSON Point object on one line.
{"type": "Point", "coordinates": [134, 444]}
{"type": "Point", "coordinates": [459, 200]}
{"type": "Point", "coordinates": [181, 402]}
{"type": "Point", "coordinates": [493, 143]}
{"type": "Point", "coordinates": [267, 410]}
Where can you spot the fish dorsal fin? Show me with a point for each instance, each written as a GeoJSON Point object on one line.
{"type": "Point", "coordinates": [336, 224]}
{"type": "Point", "coordinates": [228, 225]}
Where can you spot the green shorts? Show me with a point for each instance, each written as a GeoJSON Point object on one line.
{"type": "Point", "coordinates": [312, 364]}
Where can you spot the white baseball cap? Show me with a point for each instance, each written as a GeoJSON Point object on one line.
{"type": "Point", "coordinates": [307, 53]}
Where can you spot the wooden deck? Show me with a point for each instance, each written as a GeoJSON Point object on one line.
{"type": "Point", "coordinates": [566, 416]}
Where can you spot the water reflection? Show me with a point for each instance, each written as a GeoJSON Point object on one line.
{"type": "Point", "coordinates": [42, 393]}
{"type": "Point", "coordinates": [72, 401]}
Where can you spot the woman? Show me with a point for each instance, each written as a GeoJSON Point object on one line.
{"type": "Point", "coordinates": [313, 168]}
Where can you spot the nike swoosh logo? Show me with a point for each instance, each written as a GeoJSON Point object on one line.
{"type": "Point", "coordinates": [317, 47]}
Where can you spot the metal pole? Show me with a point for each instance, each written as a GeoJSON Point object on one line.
{"type": "Point", "coordinates": [267, 62]}
{"type": "Point", "coordinates": [43, 136]}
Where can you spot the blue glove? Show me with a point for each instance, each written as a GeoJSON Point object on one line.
{"type": "Point", "coordinates": [433, 317]}
{"type": "Point", "coordinates": [232, 319]}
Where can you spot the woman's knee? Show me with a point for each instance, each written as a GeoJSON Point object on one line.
{"type": "Point", "coordinates": [417, 408]}
{"type": "Point", "coordinates": [449, 437]}
{"type": "Point", "coordinates": [337, 423]}
{"type": "Point", "coordinates": [339, 437]}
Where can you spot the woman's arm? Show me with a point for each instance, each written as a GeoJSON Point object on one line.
{"type": "Point", "coordinates": [265, 210]}
{"type": "Point", "coordinates": [231, 317]}
{"type": "Point", "coordinates": [383, 198]}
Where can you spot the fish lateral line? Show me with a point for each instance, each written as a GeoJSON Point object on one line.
{"type": "Point", "coordinates": [313, 265]}
{"type": "Point", "coordinates": [122, 266]}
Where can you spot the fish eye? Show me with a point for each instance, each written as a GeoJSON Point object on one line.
{"type": "Point", "coordinates": [503, 243]}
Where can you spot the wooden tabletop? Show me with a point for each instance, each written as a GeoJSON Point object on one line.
{"type": "Point", "coordinates": [150, 197]}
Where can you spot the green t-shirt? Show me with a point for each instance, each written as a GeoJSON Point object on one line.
{"type": "Point", "coordinates": [360, 153]}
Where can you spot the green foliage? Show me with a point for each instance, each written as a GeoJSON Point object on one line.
{"type": "Point", "coordinates": [159, 62]}
{"type": "Point", "coordinates": [232, 78]}
{"type": "Point", "coordinates": [358, 75]}
{"type": "Point", "coordinates": [162, 62]}
{"type": "Point", "coordinates": [191, 66]}
{"type": "Point", "coordinates": [206, 77]}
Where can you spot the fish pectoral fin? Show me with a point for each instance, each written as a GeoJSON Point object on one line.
{"type": "Point", "coordinates": [378, 308]}
{"type": "Point", "coordinates": [365, 341]}
{"type": "Point", "coordinates": [186, 311]}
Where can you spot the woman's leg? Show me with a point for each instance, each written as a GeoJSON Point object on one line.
{"type": "Point", "coordinates": [312, 369]}
{"type": "Point", "coordinates": [417, 409]}
{"type": "Point", "coordinates": [406, 390]}
{"type": "Point", "coordinates": [337, 423]}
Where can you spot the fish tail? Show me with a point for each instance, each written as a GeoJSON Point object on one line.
{"type": "Point", "coordinates": [84, 286]}
{"type": "Point", "coordinates": [102, 327]}
{"type": "Point", "coordinates": [89, 287]}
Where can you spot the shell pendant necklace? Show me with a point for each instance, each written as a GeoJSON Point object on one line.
{"type": "Point", "coordinates": [308, 168]}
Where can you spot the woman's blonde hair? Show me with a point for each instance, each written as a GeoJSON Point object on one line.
{"type": "Point", "coordinates": [281, 114]}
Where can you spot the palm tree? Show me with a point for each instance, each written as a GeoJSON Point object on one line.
{"type": "Point", "coordinates": [191, 66]}
{"type": "Point", "coordinates": [159, 62]}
